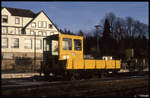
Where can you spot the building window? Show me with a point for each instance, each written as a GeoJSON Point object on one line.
{"type": "Point", "coordinates": [77, 44]}
{"type": "Point", "coordinates": [40, 32]}
{"type": "Point", "coordinates": [32, 33]}
{"type": "Point", "coordinates": [44, 24]}
{"type": "Point", "coordinates": [18, 30]}
{"type": "Point", "coordinates": [15, 43]}
{"type": "Point", "coordinates": [33, 24]}
{"type": "Point", "coordinates": [50, 26]}
{"type": "Point", "coordinates": [4, 42]}
{"type": "Point", "coordinates": [37, 33]}
{"type": "Point", "coordinates": [17, 20]}
{"type": "Point", "coordinates": [51, 33]}
{"type": "Point", "coordinates": [39, 24]}
{"type": "Point", "coordinates": [44, 33]}
{"type": "Point", "coordinates": [48, 33]}
{"type": "Point", "coordinates": [67, 44]}
{"type": "Point", "coordinates": [55, 32]}
{"type": "Point", "coordinates": [4, 18]}
{"type": "Point", "coordinates": [7, 56]}
{"type": "Point", "coordinates": [4, 30]}
{"type": "Point", "coordinates": [38, 44]}
{"type": "Point", "coordinates": [28, 44]}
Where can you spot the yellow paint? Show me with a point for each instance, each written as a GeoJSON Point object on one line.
{"type": "Point", "coordinates": [69, 64]}
{"type": "Point", "coordinates": [100, 64]}
{"type": "Point", "coordinates": [117, 63]}
{"type": "Point", "coordinates": [78, 64]}
{"type": "Point", "coordinates": [75, 59]}
{"type": "Point", "coordinates": [110, 64]}
{"type": "Point", "coordinates": [89, 64]}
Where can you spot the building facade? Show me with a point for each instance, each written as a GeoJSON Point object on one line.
{"type": "Point", "coordinates": [22, 33]}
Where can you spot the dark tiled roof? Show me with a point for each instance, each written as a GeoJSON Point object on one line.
{"type": "Point", "coordinates": [20, 12]}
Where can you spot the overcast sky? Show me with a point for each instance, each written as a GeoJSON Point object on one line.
{"type": "Point", "coordinates": [77, 16]}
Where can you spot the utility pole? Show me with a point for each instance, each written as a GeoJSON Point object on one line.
{"type": "Point", "coordinates": [97, 41]}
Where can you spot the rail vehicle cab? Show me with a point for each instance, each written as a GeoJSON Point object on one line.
{"type": "Point", "coordinates": [59, 48]}
{"type": "Point", "coordinates": [63, 55]}
{"type": "Point", "coordinates": [63, 46]}
{"type": "Point", "coordinates": [70, 47]}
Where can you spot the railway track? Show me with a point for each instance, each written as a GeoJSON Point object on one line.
{"type": "Point", "coordinates": [36, 83]}
{"type": "Point", "coordinates": [51, 80]}
{"type": "Point", "coordinates": [101, 87]}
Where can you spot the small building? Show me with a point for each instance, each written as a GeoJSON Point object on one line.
{"type": "Point", "coordinates": [22, 33]}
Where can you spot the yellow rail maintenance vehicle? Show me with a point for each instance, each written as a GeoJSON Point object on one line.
{"type": "Point", "coordinates": [63, 55]}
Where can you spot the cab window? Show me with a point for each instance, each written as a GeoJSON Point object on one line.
{"type": "Point", "coordinates": [54, 47]}
{"type": "Point", "coordinates": [46, 45]}
{"type": "Point", "coordinates": [67, 44]}
{"type": "Point", "coordinates": [77, 44]}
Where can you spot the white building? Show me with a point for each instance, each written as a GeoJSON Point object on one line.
{"type": "Point", "coordinates": [19, 28]}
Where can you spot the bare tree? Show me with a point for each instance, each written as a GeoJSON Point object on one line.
{"type": "Point", "coordinates": [81, 33]}
{"type": "Point", "coordinates": [112, 19]}
{"type": "Point", "coordinates": [129, 25]}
